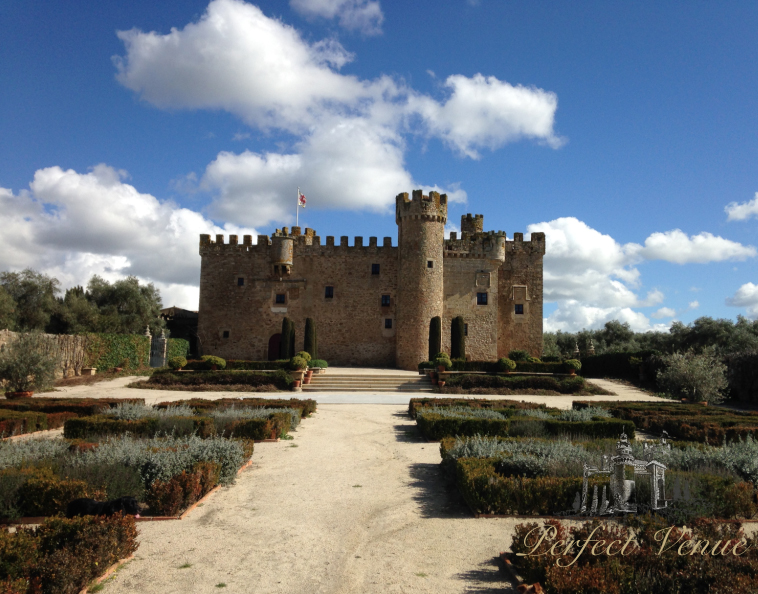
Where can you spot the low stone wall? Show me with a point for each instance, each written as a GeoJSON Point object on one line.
{"type": "Point", "coordinates": [71, 350]}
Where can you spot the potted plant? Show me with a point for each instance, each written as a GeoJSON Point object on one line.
{"type": "Point", "coordinates": [572, 365]}
{"type": "Point", "coordinates": [176, 363]}
{"type": "Point", "coordinates": [506, 365]}
{"type": "Point", "coordinates": [442, 362]}
{"type": "Point", "coordinates": [27, 365]}
{"type": "Point", "coordinates": [214, 363]}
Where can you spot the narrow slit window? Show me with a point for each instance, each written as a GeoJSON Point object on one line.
{"type": "Point", "coordinates": [465, 329]}
{"type": "Point", "coordinates": [430, 263]}
{"type": "Point", "coordinates": [519, 309]}
{"type": "Point", "coordinates": [375, 269]}
{"type": "Point", "coordinates": [280, 298]}
{"type": "Point", "coordinates": [226, 334]}
{"type": "Point", "coordinates": [385, 300]}
{"type": "Point", "coordinates": [329, 292]}
{"type": "Point", "coordinates": [388, 323]}
{"type": "Point", "coordinates": [481, 298]}
{"type": "Point", "coordinates": [240, 282]}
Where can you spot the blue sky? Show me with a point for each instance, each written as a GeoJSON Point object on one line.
{"type": "Point", "coordinates": [627, 132]}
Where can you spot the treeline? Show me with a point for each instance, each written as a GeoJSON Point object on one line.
{"type": "Point", "coordinates": [32, 301]}
{"type": "Point", "coordinates": [726, 337]}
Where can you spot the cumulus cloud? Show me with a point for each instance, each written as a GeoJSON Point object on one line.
{"type": "Point", "coordinates": [741, 211]}
{"type": "Point", "coordinates": [73, 225]}
{"type": "Point", "coordinates": [355, 15]}
{"type": "Point", "coordinates": [677, 247]}
{"type": "Point", "coordinates": [664, 312]}
{"type": "Point", "coordinates": [348, 133]}
{"type": "Point", "coordinates": [575, 315]}
{"type": "Point", "coordinates": [484, 112]}
{"type": "Point", "coordinates": [746, 296]}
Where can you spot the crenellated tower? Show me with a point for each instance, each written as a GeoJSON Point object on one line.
{"type": "Point", "coordinates": [421, 235]}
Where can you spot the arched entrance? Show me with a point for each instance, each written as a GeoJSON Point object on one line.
{"type": "Point", "coordinates": [273, 346]}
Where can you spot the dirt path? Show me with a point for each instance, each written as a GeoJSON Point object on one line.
{"type": "Point", "coordinates": [356, 503]}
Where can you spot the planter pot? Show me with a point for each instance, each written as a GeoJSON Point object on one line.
{"type": "Point", "coordinates": [118, 369]}
{"type": "Point", "coordinates": [441, 368]}
{"type": "Point", "coordinates": [18, 395]}
{"type": "Point", "coordinates": [441, 384]}
{"type": "Point", "coordinates": [572, 372]}
{"type": "Point", "coordinates": [214, 367]}
{"type": "Point", "coordinates": [433, 377]}
{"type": "Point", "coordinates": [704, 403]}
{"type": "Point", "coordinates": [297, 383]}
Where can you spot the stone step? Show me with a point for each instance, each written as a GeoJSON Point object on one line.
{"type": "Point", "coordinates": [413, 390]}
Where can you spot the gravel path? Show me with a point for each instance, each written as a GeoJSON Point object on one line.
{"type": "Point", "coordinates": [355, 503]}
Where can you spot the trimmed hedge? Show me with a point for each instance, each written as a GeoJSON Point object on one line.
{"type": "Point", "coordinates": [201, 405]}
{"type": "Point", "coordinates": [691, 422]}
{"type": "Point", "coordinates": [617, 365]}
{"type": "Point", "coordinates": [742, 375]}
{"type": "Point", "coordinates": [240, 365]}
{"type": "Point", "coordinates": [79, 406]}
{"type": "Point", "coordinates": [488, 492]}
{"type": "Point", "coordinates": [101, 425]}
{"type": "Point", "coordinates": [16, 422]}
{"type": "Point", "coordinates": [182, 490]}
{"type": "Point", "coordinates": [177, 347]}
{"type": "Point", "coordinates": [435, 427]}
{"type": "Point", "coordinates": [568, 385]}
{"type": "Point", "coordinates": [417, 403]}
{"type": "Point", "coordinates": [62, 556]}
{"type": "Point", "coordinates": [106, 351]}
{"type": "Point", "coordinates": [492, 366]}
{"type": "Point", "coordinates": [280, 379]}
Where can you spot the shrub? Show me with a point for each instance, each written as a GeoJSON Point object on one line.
{"type": "Point", "coordinates": [304, 355]}
{"type": "Point", "coordinates": [442, 360]}
{"type": "Point", "coordinates": [518, 355]}
{"type": "Point", "coordinates": [168, 498]}
{"type": "Point", "coordinates": [201, 380]}
{"type": "Point", "coordinates": [533, 360]}
{"type": "Point", "coordinates": [211, 362]}
{"type": "Point", "coordinates": [309, 341]}
{"type": "Point", "coordinates": [106, 351]}
{"type": "Point", "coordinates": [697, 376]}
{"type": "Point", "coordinates": [318, 363]}
{"type": "Point", "coordinates": [504, 364]}
{"type": "Point", "coordinates": [458, 338]}
{"type": "Point", "coordinates": [426, 365]}
{"type": "Point", "coordinates": [43, 494]}
{"type": "Point", "coordinates": [286, 349]}
{"type": "Point", "coordinates": [435, 336]}
{"type": "Point", "coordinates": [298, 363]}
{"type": "Point", "coordinates": [203, 406]}
{"type": "Point", "coordinates": [27, 364]}
{"type": "Point", "coordinates": [572, 364]}
{"type": "Point", "coordinates": [177, 363]}
{"type": "Point", "coordinates": [16, 422]}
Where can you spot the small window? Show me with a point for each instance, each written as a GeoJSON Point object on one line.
{"type": "Point", "coordinates": [375, 269]}
{"type": "Point", "coordinates": [465, 329]}
{"type": "Point", "coordinates": [388, 323]}
{"type": "Point", "coordinates": [240, 282]}
{"type": "Point", "coordinates": [329, 292]}
{"type": "Point", "coordinates": [481, 298]}
{"type": "Point", "coordinates": [276, 270]}
{"type": "Point", "coordinates": [430, 263]}
{"type": "Point", "coordinates": [280, 298]}
{"type": "Point", "coordinates": [385, 300]}
{"type": "Point", "coordinates": [226, 333]}
{"type": "Point", "coordinates": [519, 309]}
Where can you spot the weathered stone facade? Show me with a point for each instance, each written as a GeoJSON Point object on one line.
{"type": "Point", "coordinates": [372, 304]}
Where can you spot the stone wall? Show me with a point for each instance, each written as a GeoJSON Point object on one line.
{"type": "Point", "coordinates": [71, 351]}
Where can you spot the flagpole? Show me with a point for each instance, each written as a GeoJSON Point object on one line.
{"type": "Point", "coordinates": [297, 208]}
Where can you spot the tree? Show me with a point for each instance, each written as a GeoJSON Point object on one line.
{"type": "Point", "coordinates": [697, 376]}
{"type": "Point", "coordinates": [34, 296]}
{"type": "Point", "coordinates": [457, 339]}
{"type": "Point", "coordinates": [285, 345]}
{"type": "Point", "coordinates": [309, 342]}
{"type": "Point", "coordinates": [126, 307]}
{"type": "Point", "coordinates": [7, 310]}
{"type": "Point", "coordinates": [435, 337]}
{"type": "Point", "coordinates": [28, 363]}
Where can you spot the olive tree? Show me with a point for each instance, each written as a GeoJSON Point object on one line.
{"type": "Point", "coordinates": [697, 376]}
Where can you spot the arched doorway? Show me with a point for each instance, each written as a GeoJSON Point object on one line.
{"type": "Point", "coordinates": [273, 346]}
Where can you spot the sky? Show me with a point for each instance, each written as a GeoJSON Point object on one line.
{"type": "Point", "coordinates": [627, 132]}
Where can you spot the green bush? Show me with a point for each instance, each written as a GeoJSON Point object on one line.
{"type": "Point", "coordinates": [176, 363]}
{"type": "Point", "coordinates": [211, 362]}
{"type": "Point", "coordinates": [504, 364]}
{"type": "Point", "coordinates": [310, 341]}
{"type": "Point", "coordinates": [442, 360]}
{"type": "Point", "coordinates": [697, 376]}
{"type": "Point", "coordinates": [320, 363]}
{"type": "Point", "coordinates": [168, 498]}
{"type": "Point", "coordinates": [572, 364]}
{"type": "Point", "coordinates": [435, 336]}
{"type": "Point", "coordinates": [43, 494]}
{"type": "Point", "coordinates": [533, 360]}
{"type": "Point", "coordinates": [27, 364]}
{"type": "Point", "coordinates": [458, 338]}
{"type": "Point", "coordinates": [426, 365]}
{"type": "Point", "coordinates": [17, 422]}
{"type": "Point", "coordinates": [298, 363]}
{"type": "Point", "coordinates": [199, 380]}
{"type": "Point", "coordinates": [304, 355]}
{"type": "Point", "coordinates": [417, 404]}
{"type": "Point", "coordinates": [518, 355]}
{"type": "Point", "coordinates": [240, 365]}
{"type": "Point", "coordinates": [202, 406]}
{"type": "Point", "coordinates": [106, 351]}
{"type": "Point", "coordinates": [177, 347]}
{"type": "Point", "coordinates": [286, 346]}
{"type": "Point", "coordinates": [564, 385]}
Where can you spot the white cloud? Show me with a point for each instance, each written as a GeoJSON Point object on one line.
{"type": "Point", "coordinates": [355, 15]}
{"type": "Point", "coordinates": [664, 312]}
{"type": "Point", "coordinates": [741, 211]}
{"type": "Point", "coordinates": [677, 247]}
{"type": "Point", "coordinates": [573, 315]}
{"type": "Point", "coordinates": [693, 305]}
{"type": "Point", "coordinates": [73, 225]}
{"type": "Point", "coordinates": [348, 132]}
{"type": "Point", "coordinates": [746, 296]}
{"type": "Point", "coordinates": [484, 112]}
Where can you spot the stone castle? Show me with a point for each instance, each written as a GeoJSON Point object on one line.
{"type": "Point", "coordinates": [372, 304]}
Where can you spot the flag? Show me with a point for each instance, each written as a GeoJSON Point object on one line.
{"type": "Point", "coordinates": [301, 201]}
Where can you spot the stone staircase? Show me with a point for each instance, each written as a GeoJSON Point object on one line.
{"type": "Point", "coordinates": [385, 382]}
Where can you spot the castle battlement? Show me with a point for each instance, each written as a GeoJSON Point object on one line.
{"type": "Point", "coordinates": [307, 244]}
{"type": "Point", "coordinates": [432, 207]}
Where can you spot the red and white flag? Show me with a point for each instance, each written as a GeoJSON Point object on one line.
{"type": "Point", "coordinates": [301, 201]}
